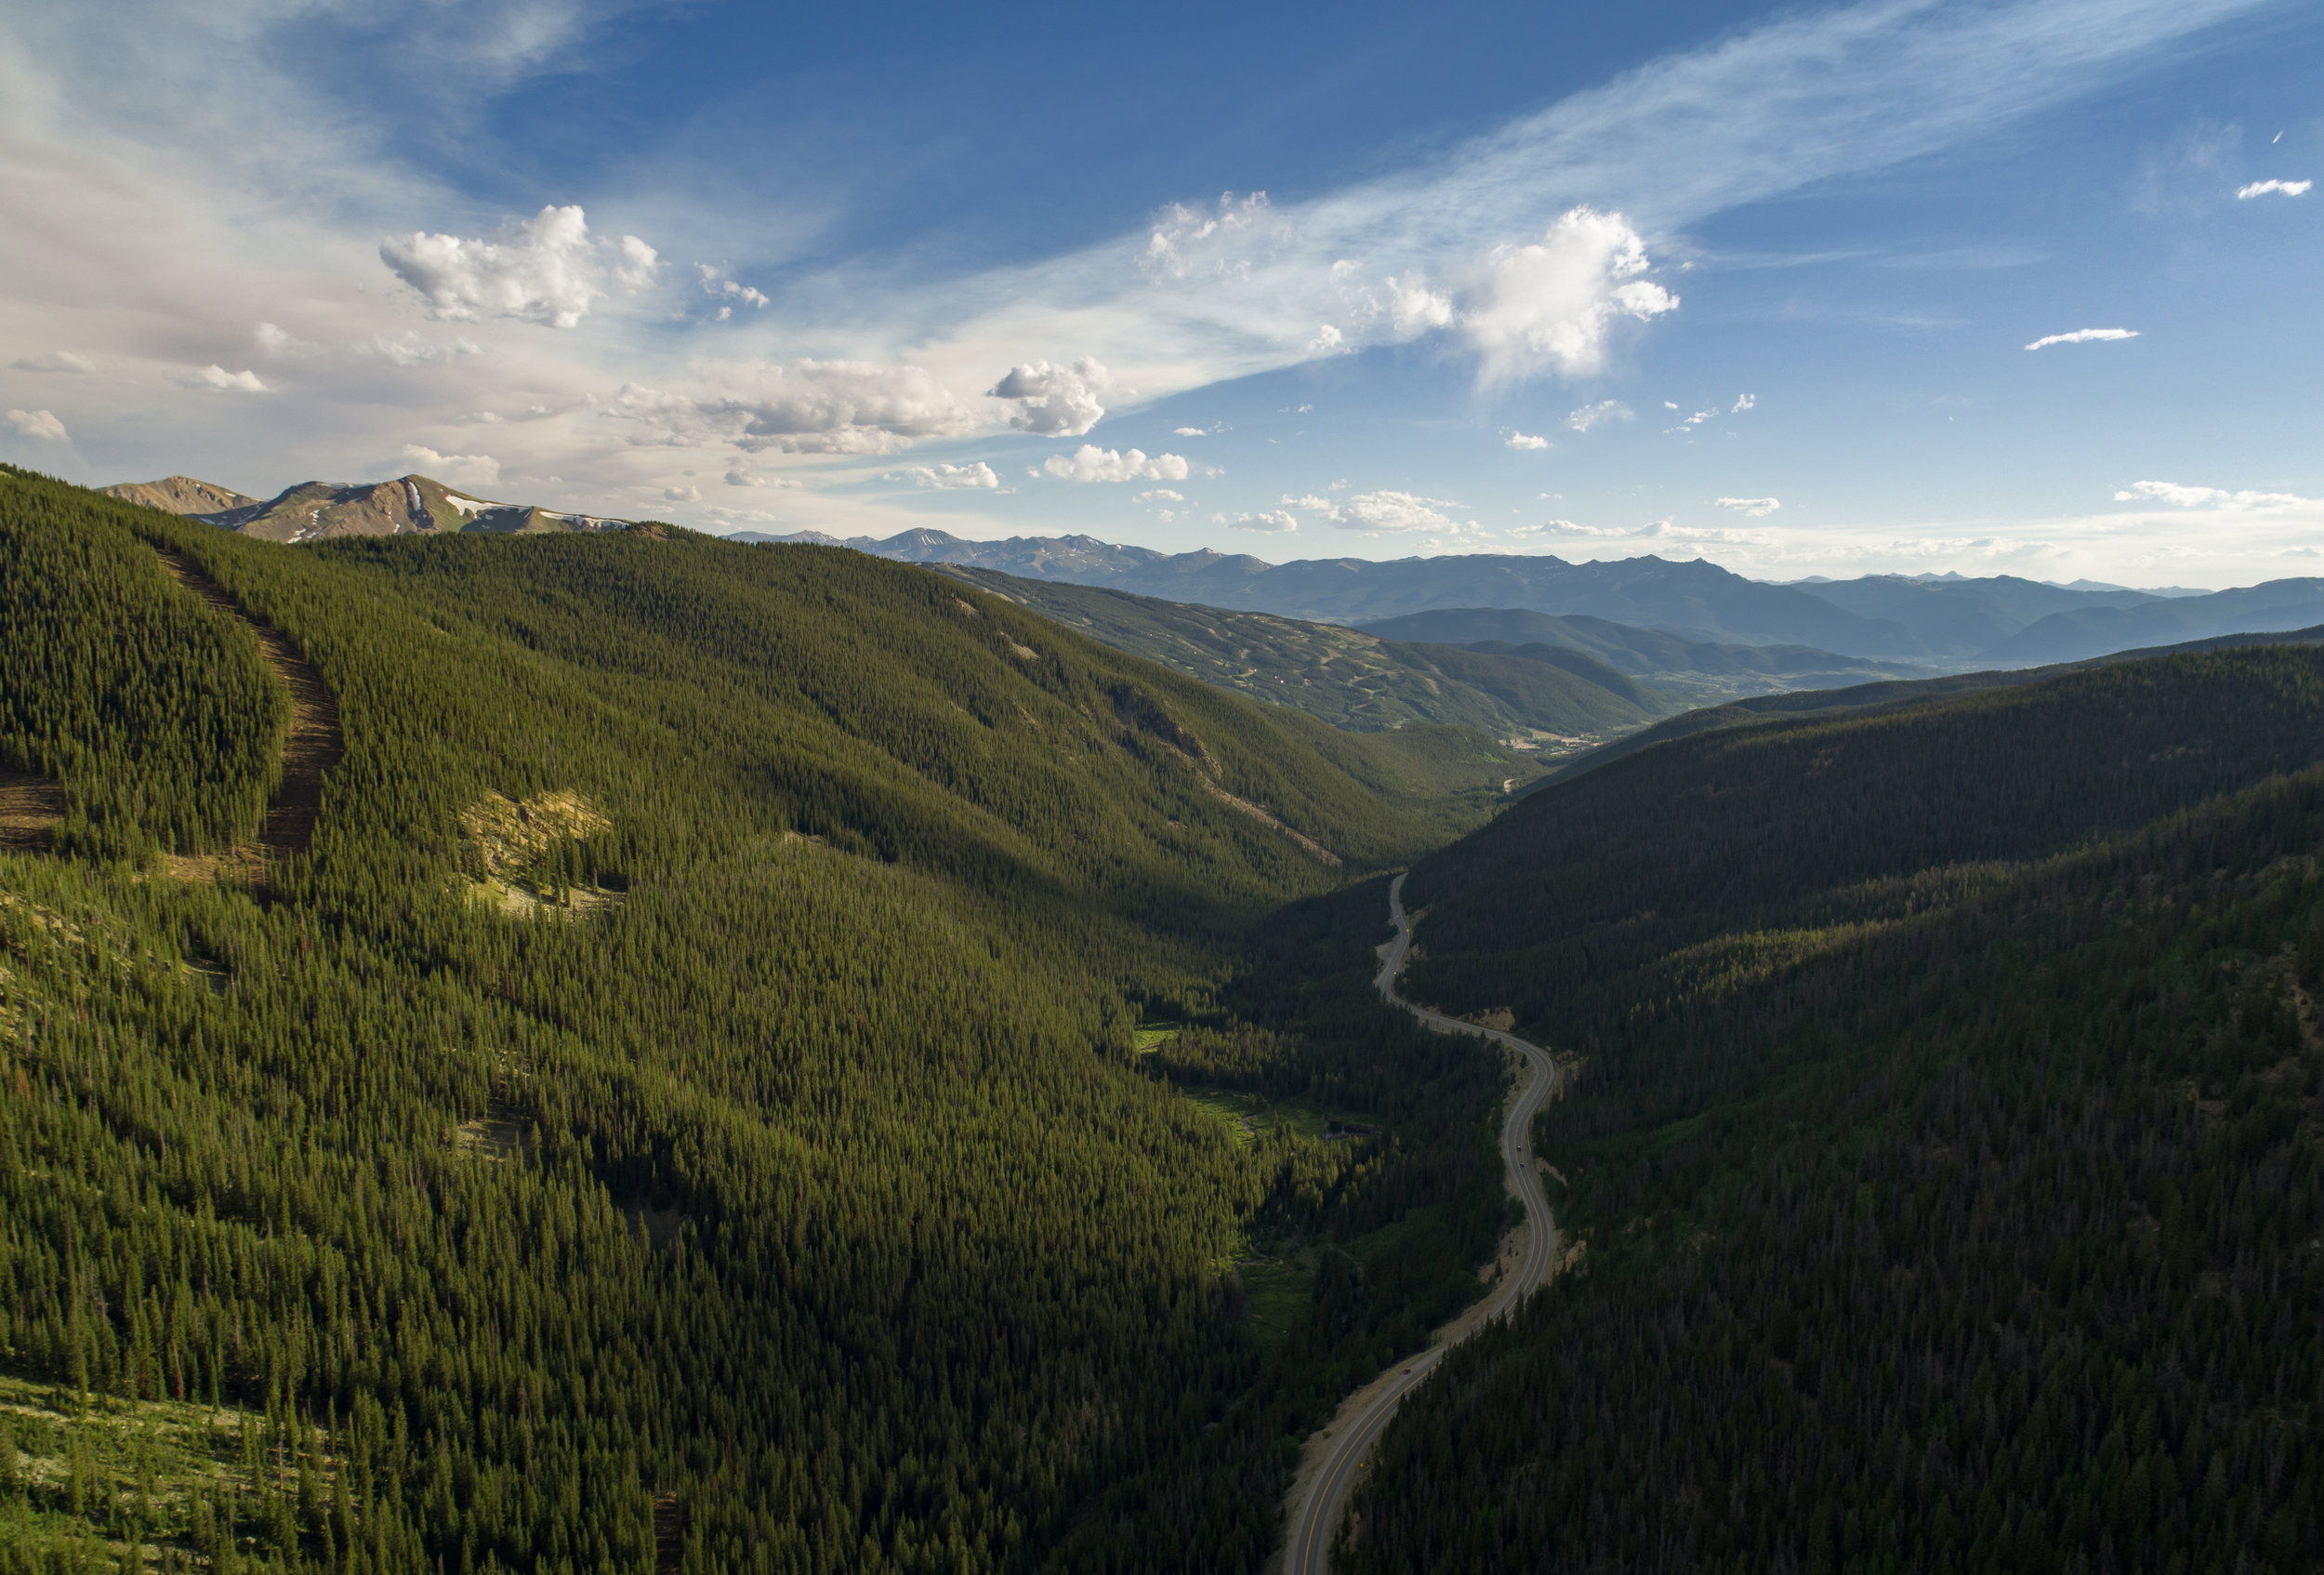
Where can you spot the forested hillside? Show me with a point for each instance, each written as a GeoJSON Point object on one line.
{"type": "Point", "coordinates": [1943, 1152]}
{"type": "Point", "coordinates": [1345, 676]}
{"type": "Point", "coordinates": [686, 1108]}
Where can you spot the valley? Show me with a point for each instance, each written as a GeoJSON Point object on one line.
{"type": "Point", "coordinates": [625, 1049]}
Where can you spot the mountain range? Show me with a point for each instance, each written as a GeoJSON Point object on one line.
{"type": "Point", "coordinates": [318, 510]}
{"type": "Point", "coordinates": [1945, 621]}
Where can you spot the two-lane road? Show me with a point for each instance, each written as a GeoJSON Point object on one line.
{"type": "Point", "coordinates": [1315, 1515]}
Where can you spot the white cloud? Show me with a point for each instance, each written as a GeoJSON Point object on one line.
{"type": "Point", "coordinates": [409, 350]}
{"type": "Point", "coordinates": [1412, 307]}
{"type": "Point", "coordinates": [954, 477]}
{"type": "Point", "coordinates": [282, 341]}
{"type": "Point", "coordinates": [635, 264]}
{"type": "Point", "coordinates": [738, 476]}
{"type": "Point", "coordinates": [1091, 463]}
{"type": "Point", "coordinates": [53, 361]}
{"type": "Point", "coordinates": [2083, 336]}
{"type": "Point", "coordinates": [809, 407]}
{"type": "Point", "coordinates": [2211, 498]}
{"type": "Point", "coordinates": [1178, 230]}
{"type": "Point", "coordinates": [2289, 188]}
{"type": "Point", "coordinates": [468, 470]}
{"type": "Point", "coordinates": [1160, 494]}
{"type": "Point", "coordinates": [685, 493]}
{"type": "Point", "coordinates": [1382, 511]}
{"type": "Point", "coordinates": [1275, 521]}
{"type": "Point", "coordinates": [1525, 440]}
{"type": "Point", "coordinates": [1743, 403]}
{"type": "Point", "coordinates": [39, 424]}
{"type": "Point", "coordinates": [544, 270]}
{"type": "Point", "coordinates": [715, 283]}
{"type": "Point", "coordinates": [217, 377]}
{"type": "Point", "coordinates": [1056, 402]}
{"type": "Point", "coordinates": [1328, 340]}
{"type": "Point", "coordinates": [1753, 506]}
{"type": "Point", "coordinates": [1548, 307]}
{"type": "Point", "coordinates": [1190, 431]}
{"type": "Point", "coordinates": [1591, 416]}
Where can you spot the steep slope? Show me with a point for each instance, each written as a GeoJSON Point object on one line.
{"type": "Point", "coordinates": [1942, 1155]}
{"type": "Point", "coordinates": [1889, 695]}
{"type": "Point", "coordinates": [318, 511]}
{"type": "Point", "coordinates": [685, 1108]}
{"type": "Point", "coordinates": [181, 495]}
{"type": "Point", "coordinates": [1344, 676]}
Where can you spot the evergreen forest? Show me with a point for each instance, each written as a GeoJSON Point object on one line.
{"type": "Point", "coordinates": [768, 1060]}
{"type": "Point", "coordinates": [622, 1051]}
{"type": "Point", "coordinates": [1940, 1168]}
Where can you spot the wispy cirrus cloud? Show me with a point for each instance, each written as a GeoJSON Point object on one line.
{"type": "Point", "coordinates": [53, 361]}
{"type": "Point", "coordinates": [2083, 336]}
{"type": "Point", "coordinates": [2261, 188]}
{"type": "Point", "coordinates": [1589, 417]}
{"type": "Point", "coordinates": [1530, 252]}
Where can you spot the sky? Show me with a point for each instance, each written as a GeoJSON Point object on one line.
{"type": "Point", "coordinates": [2004, 286]}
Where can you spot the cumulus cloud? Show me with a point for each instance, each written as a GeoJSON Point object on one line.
{"type": "Point", "coordinates": [2289, 188]}
{"type": "Point", "coordinates": [808, 407]}
{"type": "Point", "coordinates": [1591, 416]}
{"type": "Point", "coordinates": [38, 424]}
{"type": "Point", "coordinates": [217, 377]}
{"type": "Point", "coordinates": [686, 494]}
{"type": "Point", "coordinates": [468, 470]}
{"type": "Point", "coordinates": [715, 285]}
{"type": "Point", "coordinates": [1056, 402]}
{"type": "Point", "coordinates": [635, 263]}
{"type": "Point", "coordinates": [545, 270]}
{"type": "Point", "coordinates": [950, 478]}
{"type": "Point", "coordinates": [1275, 521]}
{"type": "Point", "coordinates": [1548, 307]}
{"type": "Point", "coordinates": [1743, 403]}
{"type": "Point", "coordinates": [1753, 506]}
{"type": "Point", "coordinates": [2083, 336]}
{"type": "Point", "coordinates": [2210, 497]}
{"type": "Point", "coordinates": [1091, 463]}
{"type": "Point", "coordinates": [1525, 440]}
{"type": "Point", "coordinates": [1160, 494]}
{"type": "Point", "coordinates": [1190, 431]}
{"type": "Point", "coordinates": [1382, 511]}
{"type": "Point", "coordinates": [53, 361]}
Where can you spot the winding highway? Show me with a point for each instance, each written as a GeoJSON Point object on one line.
{"type": "Point", "coordinates": [1315, 1511]}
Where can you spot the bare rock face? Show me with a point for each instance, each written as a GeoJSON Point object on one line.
{"type": "Point", "coordinates": [318, 510]}
{"type": "Point", "coordinates": [181, 495]}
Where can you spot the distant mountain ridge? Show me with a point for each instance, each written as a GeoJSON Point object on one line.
{"type": "Point", "coordinates": [1946, 620]}
{"type": "Point", "coordinates": [318, 511]}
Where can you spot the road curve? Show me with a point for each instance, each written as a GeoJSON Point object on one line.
{"type": "Point", "coordinates": [1307, 1539]}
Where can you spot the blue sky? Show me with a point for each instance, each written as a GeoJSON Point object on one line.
{"type": "Point", "coordinates": [1755, 284]}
